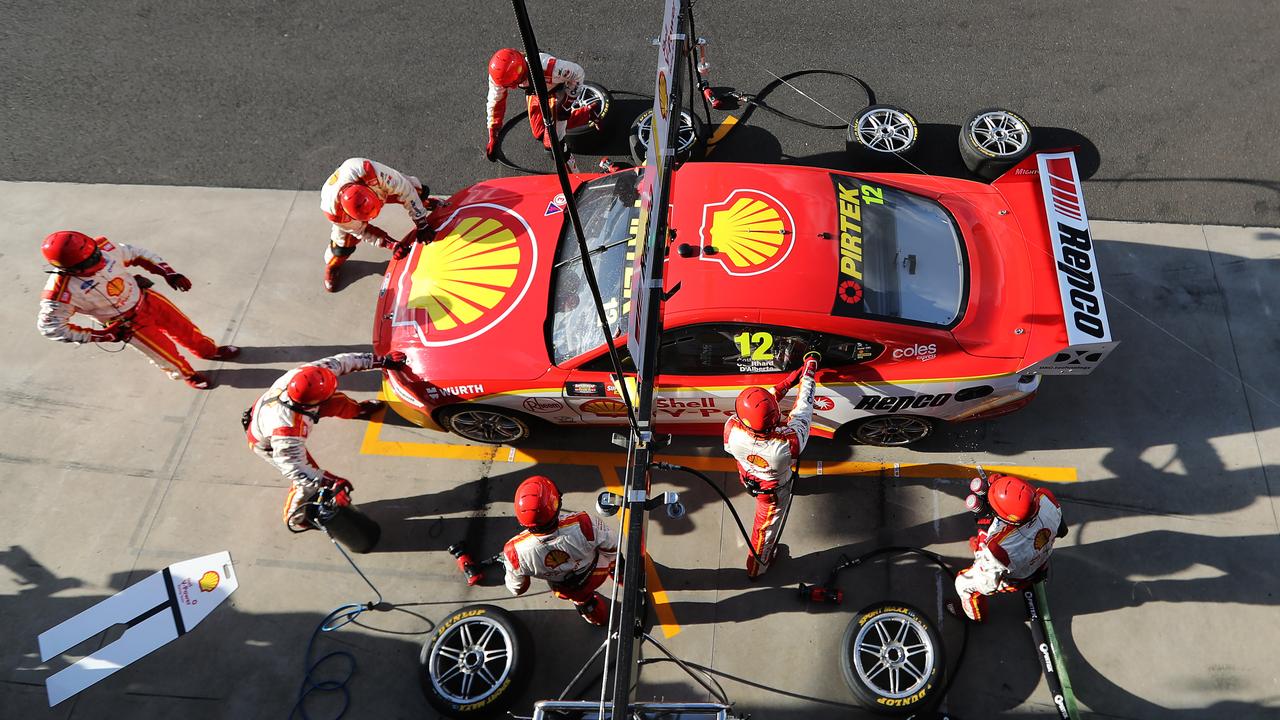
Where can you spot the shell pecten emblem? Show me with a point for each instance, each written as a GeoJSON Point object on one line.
{"type": "Point", "coordinates": [752, 232]}
{"type": "Point", "coordinates": [472, 275]}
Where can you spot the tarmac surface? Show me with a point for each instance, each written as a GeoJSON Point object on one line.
{"type": "Point", "coordinates": [1164, 593]}
{"type": "Point", "coordinates": [1172, 103]}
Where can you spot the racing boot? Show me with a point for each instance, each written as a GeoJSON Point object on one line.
{"type": "Point", "coordinates": [332, 274]}
{"type": "Point", "coordinates": [225, 352]}
{"type": "Point", "coordinates": [595, 610]}
{"type": "Point", "coordinates": [198, 381]}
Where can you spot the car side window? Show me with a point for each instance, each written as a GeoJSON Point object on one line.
{"type": "Point", "coordinates": [732, 349]}
{"type": "Point", "coordinates": [837, 351]}
{"type": "Point", "coordinates": [603, 364]}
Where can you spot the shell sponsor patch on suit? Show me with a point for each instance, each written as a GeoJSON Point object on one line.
{"type": "Point", "coordinates": [752, 232]}
{"type": "Point", "coordinates": [556, 558]}
{"type": "Point", "coordinates": [1042, 538]}
{"type": "Point", "coordinates": [115, 286]}
{"type": "Point", "coordinates": [472, 275]}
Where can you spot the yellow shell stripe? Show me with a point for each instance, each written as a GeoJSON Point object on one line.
{"type": "Point", "coordinates": [467, 273]}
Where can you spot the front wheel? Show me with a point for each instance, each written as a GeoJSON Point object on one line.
{"type": "Point", "coordinates": [476, 663]}
{"type": "Point", "coordinates": [891, 430]}
{"type": "Point", "coordinates": [892, 660]}
{"type": "Point", "coordinates": [485, 424]}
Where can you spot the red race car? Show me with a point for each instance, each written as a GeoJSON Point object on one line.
{"type": "Point", "coordinates": [931, 299]}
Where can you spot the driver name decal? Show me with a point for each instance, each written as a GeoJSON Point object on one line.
{"type": "Point", "coordinates": [752, 232]}
{"type": "Point", "coordinates": [472, 276]}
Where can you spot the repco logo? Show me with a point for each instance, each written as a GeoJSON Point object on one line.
{"type": "Point", "coordinates": [920, 352]}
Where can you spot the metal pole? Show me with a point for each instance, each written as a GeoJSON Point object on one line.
{"type": "Point", "coordinates": [534, 63]}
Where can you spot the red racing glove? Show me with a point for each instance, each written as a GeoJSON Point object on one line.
{"type": "Point", "coordinates": [401, 250]}
{"type": "Point", "coordinates": [393, 360]}
{"type": "Point", "coordinates": [340, 488]}
{"type": "Point", "coordinates": [491, 147]}
{"type": "Point", "coordinates": [178, 281]}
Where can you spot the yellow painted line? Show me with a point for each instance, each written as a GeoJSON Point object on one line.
{"type": "Point", "coordinates": [373, 444]}
{"type": "Point", "coordinates": [661, 604]}
{"type": "Point", "coordinates": [721, 130]}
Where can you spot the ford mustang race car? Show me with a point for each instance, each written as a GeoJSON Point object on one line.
{"type": "Point", "coordinates": [930, 299]}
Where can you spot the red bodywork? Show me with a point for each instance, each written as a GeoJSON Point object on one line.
{"type": "Point", "coordinates": [1012, 314]}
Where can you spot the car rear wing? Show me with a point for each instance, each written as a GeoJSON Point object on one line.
{"type": "Point", "coordinates": [1084, 309]}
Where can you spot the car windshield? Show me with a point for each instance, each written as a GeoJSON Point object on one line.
{"type": "Point", "coordinates": [610, 209]}
{"type": "Point", "coordinates": [901, 255]}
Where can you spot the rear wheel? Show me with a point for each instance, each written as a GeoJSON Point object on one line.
{"type": "Point", "coordinates": [485, 424]}
{"type": "Point", "coordinates": [476, 663]}
{"type": "Point", "coordinates": [993, 140]}
{"type": "Point", "coordinates": [891, 430]}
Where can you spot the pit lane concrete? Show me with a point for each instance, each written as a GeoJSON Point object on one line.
{"type": "Point", "coordinates": [1164, 592]}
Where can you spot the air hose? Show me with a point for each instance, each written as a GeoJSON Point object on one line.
{"type": "Point", "coordinates": [746, 537]}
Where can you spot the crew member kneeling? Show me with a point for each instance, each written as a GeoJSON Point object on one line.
{"type": "Point", "coordinates": [574, 552]}
{"type": "Point", "coordinates": [278, 424]}
{"type": "Point", "coordinates": [1012, 553]}
{"type": "Point", "coordinates": [766, 450]}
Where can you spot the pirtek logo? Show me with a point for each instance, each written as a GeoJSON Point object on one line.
{"type": "Point", "coordinates": [1044, 655]}
{"type": "Point", "coordinates": [1031, 604]}
{"type": "Point", "coordinates": [850, 205]}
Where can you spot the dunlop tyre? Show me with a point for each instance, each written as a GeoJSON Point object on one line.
{"type": "Point", "coordinates": [482, 423]}
{"type": "Point", "coordinates": [888, 430]}
{"type": "Point", "coordinates": [594, 90]}
{"type": "Point", "coordinates": [691, 125]}
{"type": "Point", "coordinates": [985, 159]}
{"type": "Point", "coordinates": [507, 633]}
{"type": "Point", "coordinates": [921, 638]}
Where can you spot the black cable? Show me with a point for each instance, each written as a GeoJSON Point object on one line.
{"type": "Point", "coordinates": [736, 518]}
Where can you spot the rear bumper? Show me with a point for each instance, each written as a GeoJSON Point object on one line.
{"type": "Point", "coordinates": [999, 410]}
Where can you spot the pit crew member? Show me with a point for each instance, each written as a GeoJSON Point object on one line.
{"type": "Point", "coordinates": [766, 450]}
{"type": "Point", "coordinates": [1012, 552]}
{"type": "Point", "coordinates": [573, 551]}
{"type": "Point", "coordinates": [509, 70]}
{"type": "Point", "coordinates": [91, 277]}
{"type": "Point", "coordinates": [353, 196]}
{"type": "Point", "coordinates": [277, 425]}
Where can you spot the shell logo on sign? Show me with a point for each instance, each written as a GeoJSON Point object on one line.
{"type": "Point", "coordinates": [752, 232]}
{"type": "Point", "coordinates": [605, 408]}
{"type": "Point", "coordinates": [208, 581]}
{"type": "Point", "coordinates": [473, 275]}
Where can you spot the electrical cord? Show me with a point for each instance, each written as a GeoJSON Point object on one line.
{"type": "Point", "coordinates": [736, 518]}
{"type": "Point", "coordinates": [339, 617]}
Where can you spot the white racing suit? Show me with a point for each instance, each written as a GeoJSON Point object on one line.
{"type": "Point", "coordinates": [1010, 558]}
{"type": "Point", "coordinates": [564, 80]}
{"type": "Point", "coordinates": [277, 433]}
{"type": "Point", "coordinates": [765, 464]}
{"type": "Point", "coordinates": [113, 295]}
{"type": "Point", "coordinates": [391, 185]}
{"type": "Point", "coordinates": [575, 559]}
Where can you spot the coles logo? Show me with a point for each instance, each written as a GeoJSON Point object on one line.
{"type": "Point", "coordinates": [605, 407]}
{"type": "Point", "coordinates": [556, 558]}
{"type": "Point", "coordinates": [822, 403]}
{"type": "Point", "coordinates": [920, 352]}
{"type": "Point", "coordinates": [115, 287]}
{"type": "Point", "coordinates": [473, 275]}
{"type": "Point", "coordinates": [208, 581]}
{"type": "Point", "coordinates": [1041, 539]}
{"type": "Point", "coordinates": [542, 405]}
{"type": "Point", "coordinates": [751, 231]}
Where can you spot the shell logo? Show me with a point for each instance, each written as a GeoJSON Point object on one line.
{"type": "Point", "coordinates": [556, 558]}
{"type": "Point", "coordinates": [751, 231]}
{"type": "Point", "coordinates": [604, 408]}
{"type": "Point", "coordinates": [757, 461]}
{"type": "Point", "coordinates": [208, 581]}
{"type": "Point", "coordinates": [115, 286]}
{"type": "Point", "coordinates": [1041, 539]}
{"type": "Point", "coordinates": [473, 275]}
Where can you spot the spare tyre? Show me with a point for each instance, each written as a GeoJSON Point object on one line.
{"type": "Point", "coordinates": [892, 659]}
{"type": "Point", "coordinates": [993, 140]}
{"type": "Point", "coordinates": [476, 662]}
{"type": "Point", "coordinates": [689, 139]}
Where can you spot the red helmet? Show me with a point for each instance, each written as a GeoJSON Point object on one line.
{"type": "Point", "coordinates": [507, 67]}
{"type": "Point", "coordinates": [1012, 499]}
{"type": "Point", "coordinates": [312, 385]}
{"type": "Point", "coordinates": [537, 502]}
{"type": "Point", "coordinates": [72, 251]}
{"type": "Point", "coordinates": [757, 408]}
{"type": "Point", "coordinates": [360, 202]}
